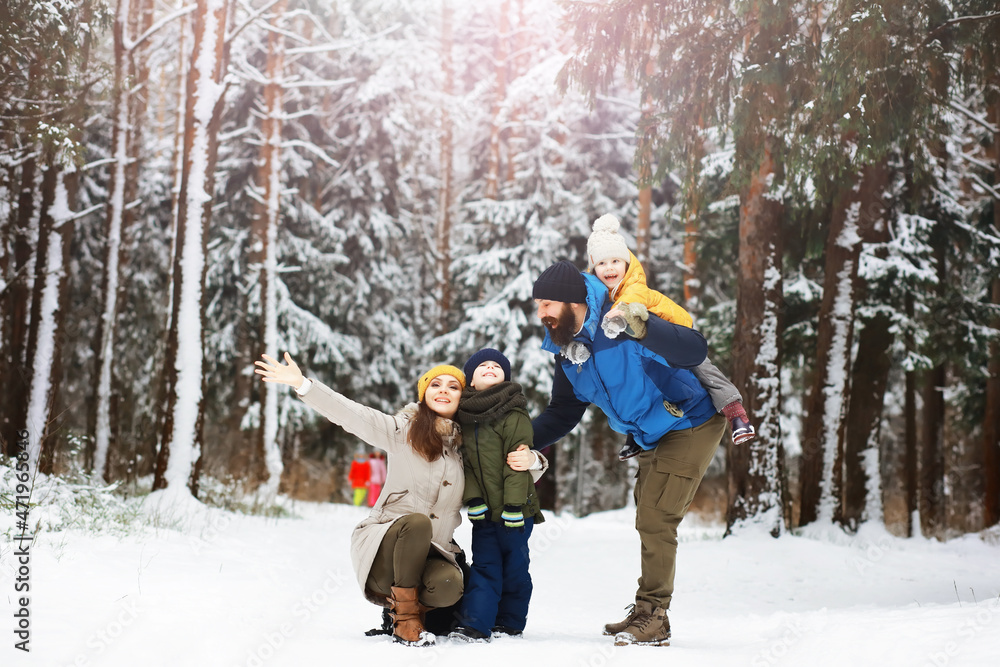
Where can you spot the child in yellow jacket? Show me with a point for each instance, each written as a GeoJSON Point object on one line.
{"type": "Point", "coordinates": [622, 274]}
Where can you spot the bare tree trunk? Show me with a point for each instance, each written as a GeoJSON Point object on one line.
{"type": "Point", "coordinates": [692, 286]}
{"type": "Point", "coordinates": [265, 236]}
{"type": "Point", "coordinates": [176, 464]}
{"type": "Point", "coordinates": [932, 491]}
{"type": "Point", "coordinates": [36, 422]}
{"type": "Point", "coordinates": [910, 435]}
{"type": "Point", "coordinates": [932, 501]}
{"type": "Point", "coordinates": [119, 217]}
{"type": "Point", "coordinates": [645, 151]}
{"type": "Point", "coordinates": [519, 56]}
{"type": "Point", "coordinates": [499, 93]}
{"type": "Point", "coordinates": [823, 429]}
{"type": "Point", "coordinates": [447, 172]}
{"type": "Point", "coordinates": [642, 229]}
{"type": "Point", "coordinates": [177, 177]}
{"type": "Point", "coordinates": [48, 312]}
{"type": "Point", "coordinates": [991, 418]}
{"type": "Point", "coordinates": [933, 513]}
{"type": "Point", "coordinates": [870, 375]}
{"type": "Point", "coordinates": [18, 305]}
{"type": "Point", "coordinates": [991, 422]}
{"type": "Point", "coordinates": [756, 471]}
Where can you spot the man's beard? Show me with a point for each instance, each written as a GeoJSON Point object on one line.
{"type": "Point", "coordinates": [563, 328]}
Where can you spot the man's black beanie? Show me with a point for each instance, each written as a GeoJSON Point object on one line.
{"type": "Point", "coordinates": [561, 282]}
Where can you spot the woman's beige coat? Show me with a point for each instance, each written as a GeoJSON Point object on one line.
{"type": "Point", "coordinates": [412, 485]}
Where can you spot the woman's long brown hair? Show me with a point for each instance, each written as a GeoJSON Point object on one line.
{"type": "Point", "coordinates": [423, 435]}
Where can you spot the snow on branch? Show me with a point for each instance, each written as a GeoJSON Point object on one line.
{"type": "Point", "coordinates": [312, 148]}
{"type": "Point", "coordinates": [254, 14]}
{"type": "Point", "coordinates": [990, 190]}
{"type": "Point", "coordinates": [153, 29]}
{"type": "Point", "coordinates": [979, 163]}
{"type": "Point", "coordinates": [324, 48]}
{"type": "Point", "coordinates": [974, 118]}
{"type": "Point", "coordinates": [955, 21]}
{"type": "Point", "coordinates": [979, 234]}
{"type": "Point", "coordinates": [332, 83]}
{"type": "Point", "coordinates": [79, 214]}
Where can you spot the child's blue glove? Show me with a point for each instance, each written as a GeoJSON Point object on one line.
{"type": "Point", "coordinates": [512, 516]}
{"type": "Point", "coordinates": [477, 509]}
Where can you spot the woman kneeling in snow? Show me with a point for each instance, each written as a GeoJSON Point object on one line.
{"type": "Point", "coordinates": [404, 553]}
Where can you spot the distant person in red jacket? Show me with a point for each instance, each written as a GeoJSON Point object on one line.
{"type": "Point", "coordinates": [359, 476]}
{"type": "Point", "coordinates": [376, 462]}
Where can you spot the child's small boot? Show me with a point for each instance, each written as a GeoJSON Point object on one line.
{"type": "Point", "coordinates": [743, 430]}
{"type": "Point", "coordinates": [629, 449]}
{"type": "Point", "coordinates": [505, 631]}
{"type": "Point", "coordinates": [470, 635]}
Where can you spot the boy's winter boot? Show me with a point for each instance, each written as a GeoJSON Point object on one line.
{"type": "Point", "coordinates": [407, 618]}
{"type": "Point", "coordinates": [743, 430]}
{"type": "Point", "coordinates": [470, 635]}
{"type": "Point", "coordinates": [649, 627]}
{"type": "Point", "coordinates": [505, 631]}
{"type": "Point", "coordinates": [612, 629]}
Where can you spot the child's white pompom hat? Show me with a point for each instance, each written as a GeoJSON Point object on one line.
{"type": "Point", "coordinates": [605, 242]}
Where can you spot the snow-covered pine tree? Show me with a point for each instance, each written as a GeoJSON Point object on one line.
{"type": "Point", "coordinates": [48, 71]}
{"type": "Point", "coordinates": [977, 100]}
{"type": "Point", "coordinates": [133, 18]}
{"type": "Point", "coordinates": [857, 126]}
{"type": "Point", "coordinates": [264, 244]}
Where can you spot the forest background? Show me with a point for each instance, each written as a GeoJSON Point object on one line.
{"type": "Point", "coordinates": [374, 185]}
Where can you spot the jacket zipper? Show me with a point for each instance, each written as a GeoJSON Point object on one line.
{"type": "Point", "coordinates": [482, 481]}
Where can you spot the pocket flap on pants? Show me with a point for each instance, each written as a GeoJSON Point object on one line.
{"type": "Point", "coordinates": [677, 467]}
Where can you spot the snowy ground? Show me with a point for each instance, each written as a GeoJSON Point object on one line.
{"type": "Point", "coordinates": [213, 588]}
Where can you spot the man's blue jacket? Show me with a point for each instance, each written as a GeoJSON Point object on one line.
{"type": "Point", "coordinates": [642, 386]}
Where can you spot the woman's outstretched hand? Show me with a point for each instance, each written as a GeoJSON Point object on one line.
{"type": "Point", "coordinates": [521, 458]}
{"type": "Point", "coordinates": [272, 370]}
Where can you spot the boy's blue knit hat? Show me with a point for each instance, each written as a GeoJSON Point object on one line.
{"type": "Point", "coordinates": [487, 354]}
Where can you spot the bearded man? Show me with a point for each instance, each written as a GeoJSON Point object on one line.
{"type": "Point", "coordinates": [642, 384]}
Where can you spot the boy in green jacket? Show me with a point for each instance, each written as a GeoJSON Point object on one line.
{"type": "Point", "coordinates": [502, 504]}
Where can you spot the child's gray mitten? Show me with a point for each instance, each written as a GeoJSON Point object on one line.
{"type": "Point", "coordinates": [576, 352]}
{"type": "Point", "coordinates": [635, 318]}
{"type": "Point", "coordinates": [613, 325]}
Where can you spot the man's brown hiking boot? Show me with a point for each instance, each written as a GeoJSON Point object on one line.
{"type": "Point", "coordinates": [612, 629]}
{"type": "Point", "coordinates": [649, 627]}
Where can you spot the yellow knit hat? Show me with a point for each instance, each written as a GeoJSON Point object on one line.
{"type": "Point", "coordinates": [443, 369]}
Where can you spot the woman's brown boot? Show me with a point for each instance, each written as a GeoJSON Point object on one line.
{"type": "Point", "coordinates": [408, 618]}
